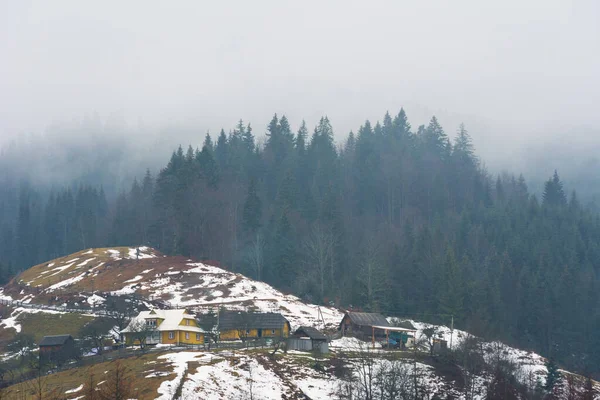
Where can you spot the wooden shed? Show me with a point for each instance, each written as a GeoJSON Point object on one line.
{"type": "Point", "coordinates": [361, 324]}
{"type": "Point", "coordinates": [56, 343]}
{"type": "Point", "coordinates": [57, 349]}
{"type": "Point", "coordinates": [307, 338]}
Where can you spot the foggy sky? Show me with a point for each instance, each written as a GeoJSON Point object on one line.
{"type": "Point", "coordinates": [511, 68]}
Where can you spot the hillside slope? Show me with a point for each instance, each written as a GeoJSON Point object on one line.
{"type": "Point", "coordinates": [63, 295]}
{"type": "Point", "coordinates": [87, 278]}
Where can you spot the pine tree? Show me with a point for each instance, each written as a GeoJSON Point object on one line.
{"type": "Point", "coordinates": [252, 209]}
{"type": "Point", "coordinates": [554, 194]}
{"type": "Point", "coordinates": [301, 137]}
{"type": "Point", "coordinates": [388, 125]}
{"type": "Point", "coordinates": [453, 283]}
{"type": "Point", "coordinates": [221, 150]}
{"type": "Point", "coordinates": [208, 167]}
{"type": "Point", "coordinates": [435, 138]}
{"type": "Point", "coordinates": [248, 139]}
{"type": "Point", "coordinates": [208, 143]}
{"type": "Point", "coordinates": [401, 125]}
{"type": "Point", "coordinates": [463, 146]}
{"type": "Point", "coordinates": [553, 376]}
{"type": "Point", "coordinates": [282, 254]}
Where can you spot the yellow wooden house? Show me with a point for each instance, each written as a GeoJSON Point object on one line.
{"type": "Point", "coordinates": [235, 325]}
{"type": "Point", "coordinates": [165, 327]}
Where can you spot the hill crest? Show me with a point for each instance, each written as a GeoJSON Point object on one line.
{"type": "Point", "coordinates": [90, 276]}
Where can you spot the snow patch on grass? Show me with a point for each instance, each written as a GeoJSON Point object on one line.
{"type": "Point", "coordinates": [180, 362]}
{"type": "Point", "coordinates": [60, 269]}
{"type": "Point", "coordinates": [81, 264]}
{"type": "Point", "coordinates": [77, 389]}
{"type": "Point", "coordinates": [66, 282]}
{"type": "Point", "coordinates": [137, 278]}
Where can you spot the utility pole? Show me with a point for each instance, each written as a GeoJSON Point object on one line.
{"type": "Point", "coordinates": [320, 316]}
{"type": "Point", "coordinates": [451, 330]}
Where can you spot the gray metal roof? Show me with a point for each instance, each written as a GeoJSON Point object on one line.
{"type": "Point", "coordinates": [310, 332]}
{"type": "Point", "coordinates": [244, 320]}
{"type": "Point", "coordinates": [55, 340]}
{"type": "Point", "coordinates": [367, 319]}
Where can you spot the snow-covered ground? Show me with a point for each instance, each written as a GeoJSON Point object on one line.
{"type": "Point", "coordinates": [531, 366]}
{"type": "Point", "coordinates": [242, 375]}
{"type": "Point", "coordinates": [193, 285]}
{"type": "Point", "coordinates": [203, 287]}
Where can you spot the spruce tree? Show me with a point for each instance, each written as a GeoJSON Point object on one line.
{"type": "Point", "coordinates": [301, 137]}
{"type": "Point", "coordinates": [435, 138]}
{"type": "Point", "coordinates": [252, 209]}
{"type": "Point", "coordinates": [208, 167]}
{"type": "Point", "coordinates": [463, 146]}
{"type": "Point", "coordinates": [208, 143]}
{"type": "Point", "coordinates": [401, 125]}
{"type": "Point", "coordinates": [554, 194]}
{"type": "Point", "coordinates": [553, 376]}
{"type": "Point", "coordinates": [221, 150]}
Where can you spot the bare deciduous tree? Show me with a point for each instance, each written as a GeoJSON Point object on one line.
{"type": "Point", "coordinates": [119, 383]}
{"type": "Point", "coordinates": [319, 247]}
{"type": "Point", "coordinates": [90, 391]}
{"type": "Point", "coordinates": [140, 331]}
{"type": "Point", "coordinates": [374, 378]}
{"type": "Point", "coordinates": [429, 336]}
{"type": "Point", "coordinates": [256, 255]}
{"type": "Point", "coordinates": [372, 272]}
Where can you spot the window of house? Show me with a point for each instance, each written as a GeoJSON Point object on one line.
{"type": "Point", "coordinates": [197, 336]}
{"type": "Point", "coordinates": [171, 335]}
{"type": "Point", "coordinates": [247, 331]}
{"type": "Point", "coordinates": [187, 335]}
{"type": "Point", "coordinates": [187, 322]}
{"type": "Point", "coordinates": [272, 331]}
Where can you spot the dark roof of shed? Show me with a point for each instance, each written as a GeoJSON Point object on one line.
{"type": "Point", "coordinates": [404, 324]}
{"type": "Point", "coordinates": [367, 319]}
{"type": "Point", "coordinates": [244, 320]}
{"type": "Point", "coordinates": [55, 340]}
{"type": "Point", "coordinates": [310, 332]}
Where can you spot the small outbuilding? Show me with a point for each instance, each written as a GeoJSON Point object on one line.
{"type": "Point", "coordinates": [57, 349]}
{"type": "Point", "coordinates": [56, 343]}
{"type": "Point", "coordinates": [307, 338]}
{"type": "Point", "coordinates": [362, 324]}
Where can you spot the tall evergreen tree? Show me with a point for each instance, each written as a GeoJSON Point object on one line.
{"type": "Point", "coordinates": [554, 194]}
{"type": "Point", "coordinates": [252, 209]}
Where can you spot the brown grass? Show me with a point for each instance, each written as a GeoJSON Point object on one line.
{"type": "Point", "coordinates": [42, 324]}
{"type": "Point", "coordinates": [141, 366]}
{"type": "Point", "coordinates": [109, 276]}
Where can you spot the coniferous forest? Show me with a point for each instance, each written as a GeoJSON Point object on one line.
{"type": "Point", "coordinates": [393, 218]}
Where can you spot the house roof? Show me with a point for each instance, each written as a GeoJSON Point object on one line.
{"type": "Point", "coordinates": [310, 332]}
{"type": "Point", "coordinates": [367, 319]}
{"type": "Point", "coordinates": [244, 320]}
{"type": "Point", "coordinates": [405, 324]}
{"type": "Point", "coordinates": [170, 320]}
{"type": "Point", "coordinates": [55, 340]}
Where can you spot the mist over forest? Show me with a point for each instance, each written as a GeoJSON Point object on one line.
{"type": "Point", "coordinates": [114, 151]}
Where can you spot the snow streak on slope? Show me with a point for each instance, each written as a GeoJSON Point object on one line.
{"type": "Point", "coordinates": [176, 281]}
